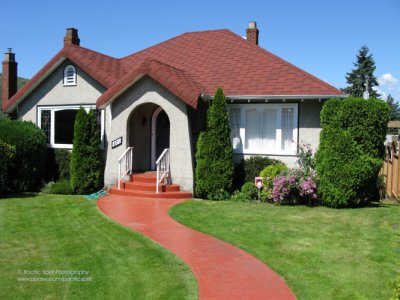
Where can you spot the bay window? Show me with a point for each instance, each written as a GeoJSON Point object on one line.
{"type": "Point", "coordinates": [264, 128]}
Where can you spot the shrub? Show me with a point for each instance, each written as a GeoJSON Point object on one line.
{"type": "Point", "coordinates": [396, 290]}
{"type": "Point", "coordinates": [254, 165]}
{"type": "Point", "coordinates": [269, 173]}
{"type": "Point", "coordinates": [238, 175]}
{"type": "Point", "coordinates": [306, 159]}
{"type": "Point", "coordinates": [250, 189]}
{"type": "Point", "coordinates": [3, 115]}
{"type": "Point", "coordinates": [346, 173]}
{"type": "Point", "coordinates": [295, 188]}
{"type": "Point", "coordinates": [214, 169]}
{"type": "Point", "coordinates": [7, 153]}
{"type": "Point", "coordinates": [58, 164]}
{"type": "Point", "coordinates": [351, 150]}
{"type": "Point", "coordinates": [86, 164]}
{"type": "Point", "coordinates": [61, 188]}
{"type": "Point", "coordinates": [63, 159]}
{"type": "Point", "coordinates": [30, 154]}
{"type": "Point", "coordinates": [240, 197]}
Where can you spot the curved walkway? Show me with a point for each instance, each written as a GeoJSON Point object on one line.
{"type": "Point", "coordinates": [222, 270]}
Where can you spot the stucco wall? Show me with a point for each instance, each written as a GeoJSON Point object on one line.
{"type": "Point", "coordinates": [53, 92]}
{"type": "Point", "coordinates": [309, 122]}
{"type": "Point", "coordinates": [148, 91]}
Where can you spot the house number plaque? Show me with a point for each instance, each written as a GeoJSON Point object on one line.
{"type": "Point", "coordinates": [116, 143]}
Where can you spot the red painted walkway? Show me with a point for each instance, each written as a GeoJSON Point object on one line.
{"type": "Point", "coordinates": [222, 270]}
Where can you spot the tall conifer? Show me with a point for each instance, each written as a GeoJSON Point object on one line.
{"type": "Point", "coordinates": [214, 169]}
{"type": "Point", "coordinates": [362, 74]}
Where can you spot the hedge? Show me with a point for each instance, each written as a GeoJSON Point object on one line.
{"type": "Point", "coordinates": [28, 164]}
{"type": "Point", "coordinates": [351, 150]}
{"type": "Point", "coordinates": [7, 153]}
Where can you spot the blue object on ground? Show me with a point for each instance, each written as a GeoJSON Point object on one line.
{"type": "Point", "coordinates": [103, 192]}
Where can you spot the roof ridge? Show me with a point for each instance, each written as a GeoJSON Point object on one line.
{"type": "Point", "coordinates": [93, 51]}
{"type": "Point", "coordinates": [167, 41]}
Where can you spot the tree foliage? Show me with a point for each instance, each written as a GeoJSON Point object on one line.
{"type": "Point", "coordinates": [27, 167]}
{"type": "Point", "coordinates": [7, 153]}
{"type": "Point", "coordinates": [214, 169]}
{"type": "Point", "coordinates": [86, 164]}
{"type": "Point", "coordinates": [362, 73]}
{"type": "Point", "coordinates": [351, 150]}
{"type": "Point", "coordinates": [394, 108]}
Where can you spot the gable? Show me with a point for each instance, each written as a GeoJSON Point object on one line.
{"type": "Point", "coordinates": [52, 92]}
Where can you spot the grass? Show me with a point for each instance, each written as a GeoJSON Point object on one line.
{"type": "Point", "coordinates": [56, 232]}
{"type": "Point", "coordinates": [321, 253]}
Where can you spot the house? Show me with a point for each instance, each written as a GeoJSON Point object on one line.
{"type": "Point", "coordinates": [157, 98]}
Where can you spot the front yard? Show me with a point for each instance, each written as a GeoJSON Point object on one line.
{"type": "Point", "coordinates": [321, 253]}
{"type": "Point", "coordinates": [67, 249]}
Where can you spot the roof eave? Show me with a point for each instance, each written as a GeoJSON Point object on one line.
{"type": "Point", "coordinates": [258, 98]}
{"type": "Point", "coordinates": [120, 92]}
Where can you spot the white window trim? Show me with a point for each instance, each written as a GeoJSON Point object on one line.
{"type": "Point", "coordinates": [66, 80]}
{"type": "Point", "coordinates": [278, 107]}
{"type": "Point", "coordinates": [53, 109]}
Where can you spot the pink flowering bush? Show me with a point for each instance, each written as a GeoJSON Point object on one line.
{"type": "Point", "coordinates": [295, 188]}
{"type": "Point", "coordinates": [299, 186]}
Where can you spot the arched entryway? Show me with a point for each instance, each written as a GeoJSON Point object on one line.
{"type": "Point", "coordinates": [149, 134]}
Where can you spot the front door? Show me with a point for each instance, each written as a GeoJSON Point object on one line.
{"type": "Point", "coordinates": [160, 134]}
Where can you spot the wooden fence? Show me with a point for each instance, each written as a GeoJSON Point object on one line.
{"type": "Point", "coordinates": [391, 169]}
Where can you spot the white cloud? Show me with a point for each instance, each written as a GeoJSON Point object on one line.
{"type": "Point", "coordinates": [388, 80]}
{"type": "Point", "coordinates": [382, 93]}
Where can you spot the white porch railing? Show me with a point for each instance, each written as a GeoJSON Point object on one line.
{"type": "Point", "coordinates": [162, 164]}
{"type": "Point", "coordinates": [125, 164]}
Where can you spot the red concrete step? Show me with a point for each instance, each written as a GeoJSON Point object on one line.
{"type": "Point", "coordinates": [151, 187]}
{"type": "Point", "coordinates": [144, 177]}
{"type": "Point", "coordinates": [148, 194]}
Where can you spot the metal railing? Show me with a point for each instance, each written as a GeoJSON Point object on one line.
{"type": "Point", "coordinates": [125, 165]}
{"type": "Point", "coordinates": [163, 170]}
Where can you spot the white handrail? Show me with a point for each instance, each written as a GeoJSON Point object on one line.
{"type": "Point", "coordinates": [162, 167]}
{"type": "Point", "coordinates": [125, 164]}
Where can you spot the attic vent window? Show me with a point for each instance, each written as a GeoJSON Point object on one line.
{"type": "Point", "coordinates": [70, 75]}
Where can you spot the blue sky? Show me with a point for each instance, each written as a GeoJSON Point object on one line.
{"type": "Point", "coordinates": [321, 37]}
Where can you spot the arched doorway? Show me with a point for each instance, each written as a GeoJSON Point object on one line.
{"type": "Point", "coordinates": [160, 133]}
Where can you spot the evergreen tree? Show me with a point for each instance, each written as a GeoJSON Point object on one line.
{"type": "Point", "coordinates": [86, 157]}
{"type": "Point", "coordinates": [363, 72]}
{"type": "Point", "coordinates": [214, 169]}
{"type": "Point", "coordinates": [394, 108]}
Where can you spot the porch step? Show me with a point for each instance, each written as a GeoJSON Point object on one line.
{"type": "Point", "coordinates": [144, 194]}
{"type": "Point", "coordinates": [144, 186]}
{"type": "Point", "coordinates": [151, 187]}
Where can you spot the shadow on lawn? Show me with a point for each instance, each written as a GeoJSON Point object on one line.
{"type": "Point", "coordinates": [18, 196]}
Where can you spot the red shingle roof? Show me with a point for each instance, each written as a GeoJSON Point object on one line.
{"type": "Point", "coordinates": [191, 64]}
{"type": "Point", "coordinates": [175, 80]}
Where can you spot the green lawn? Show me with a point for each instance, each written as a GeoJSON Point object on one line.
{"type": "Point", "coordinates": [41, 233]}
{"type": "Point", "coordinates": [321, 253]}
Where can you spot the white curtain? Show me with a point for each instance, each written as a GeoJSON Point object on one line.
{"type": "Point", "coordinates": [268, 130]}
{"type": "Point", "coordinates": [253, 140]}
{"type": "Point", "coordinates": [287, 128]}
